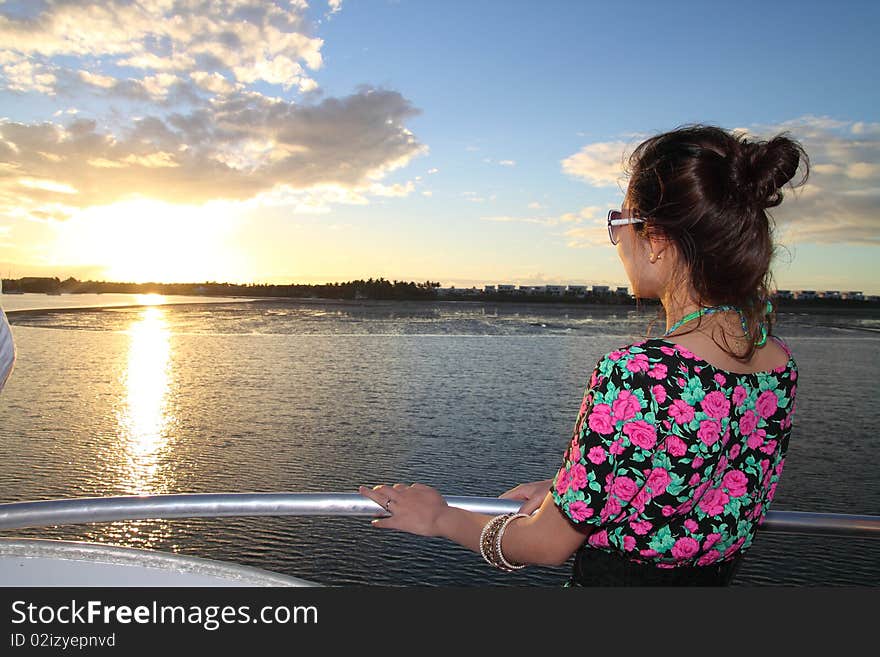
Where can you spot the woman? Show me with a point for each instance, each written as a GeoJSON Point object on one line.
{"type": "Point", "coordinates": [680, 440]}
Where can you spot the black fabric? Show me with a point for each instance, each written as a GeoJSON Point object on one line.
{"type": "Point", "coordinates": [594, 567]}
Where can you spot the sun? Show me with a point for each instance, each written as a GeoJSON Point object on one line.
{"type": "Point", "coordinates": [145, 240]}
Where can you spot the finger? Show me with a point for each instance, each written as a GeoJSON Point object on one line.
{"type": "Point", "coordinates": [378, 497]}
{"type": "Point", "coordinates": [384, 523]}
{"type": "Point", "coordinates": [400, 486]}
{"type": "Point", "coordinates": [531, 505]}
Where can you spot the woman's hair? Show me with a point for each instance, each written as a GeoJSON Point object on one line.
{"type": "Point", "coordinates": [707, 190]}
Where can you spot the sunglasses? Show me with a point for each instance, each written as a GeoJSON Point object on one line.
{"type": "Point", "coordinates": [615, 219]}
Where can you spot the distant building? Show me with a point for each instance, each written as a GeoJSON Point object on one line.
{"type": "Point", "coordinates": [506, 289]}
{"type": "Point", "coordinates": [601, 290]}
{"type": "Point", "coordinates": [830, 294]}
{"type": "Point", "coordinates": [623, 291]}
{"type": "Point", "coordinates": [805, 294]}
{"type": "Point", "coordinates": [489, 289]}
{"type": "Point", "coordinates": [555, 290]}
{"type": "Point", "coordinates": [852, 296]}
{"type": "Point", "coordinates": [579, 290]}
{"type": "Point", "coordinates": [783, 294]}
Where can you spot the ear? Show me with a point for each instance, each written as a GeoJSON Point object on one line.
{"type": "Point", "coordinates": [660, 248]}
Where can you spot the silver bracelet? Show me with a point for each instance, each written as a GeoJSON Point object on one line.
{"type": "Point", "coordinates": [499, 554]}
{"type": "Point", "coordinates": [487, 539]}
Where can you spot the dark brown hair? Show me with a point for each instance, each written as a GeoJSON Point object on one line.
{"type": "Point", "coordinates": [708, 190]}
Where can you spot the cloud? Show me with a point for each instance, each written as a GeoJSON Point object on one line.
{"type": "Point", "coordinates": [507, 163]}
{"type": "Point", "coordinates": [579, 236]}
{"type": "Point", "coordinates": [236, 148]}
{"type": "Point", "coordinates": [189, 117]}
{"type": "Point", "coordinates": [839, 203]}
{"type": "Point", "coordinates": [266, 41]}
{"type": "Point", "coordinates": [600, 164]}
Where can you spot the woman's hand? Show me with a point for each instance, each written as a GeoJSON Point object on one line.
{"type": "Point", "coordinates": [416, 509]}
{"type": "Point", "coordinates": [532, 494]}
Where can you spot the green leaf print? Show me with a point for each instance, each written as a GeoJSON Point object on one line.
{"type": "Point", "coordinates": [662, 541]}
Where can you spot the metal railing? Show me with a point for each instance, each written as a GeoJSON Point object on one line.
{"type": "Point", "coordinates": [47, 513]}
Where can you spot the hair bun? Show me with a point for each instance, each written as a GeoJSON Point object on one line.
{"type": "Point", "coordinates": [763, 168]}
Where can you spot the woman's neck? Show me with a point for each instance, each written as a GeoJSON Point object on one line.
{"type": "Point", "coordinates": [678, 304]}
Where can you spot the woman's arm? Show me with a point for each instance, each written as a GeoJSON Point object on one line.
{"type": "Point", "coordinates": [545, 538]}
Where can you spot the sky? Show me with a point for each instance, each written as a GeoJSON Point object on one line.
{"type": "Point", "coordinates": [467, 143]}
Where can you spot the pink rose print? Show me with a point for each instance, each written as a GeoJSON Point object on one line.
{"type": "Point", "coordinates": [685, 353]}
{"type": "Point", "coordinates": [575, 451]}
{"type": "Point", "coordinates": [616, 447]}
{"type": "Point", "coordinates": [681, 411]}
{"type": "Point", "coordinates": [720, 379]}
{"type": "Point", "coordinates": [793, 376]}
{"type": "Point", "coordinates": [739, 395]}
{"type": "Point", "coordinates": [629, 543]}
{"type": "Point", "coordinates": [695, 479]}
{"type": "Point", "coordinates": [696, 463]}
{"type": "Point", "coordinates": [675, 446]}
{"type": "Point", "coordinates": [712, 503]}
{"type": "Point", "coordinates": [625, 406]}
{"type": "Point", "coordinates": [600, 419]}
{"type": "Point", "coordinates": [599, 539]}
{"type": "Point", "coordinates": [778, 469]}
{"type": "Point", "coordinates": [736, 483]}
{"type": "Point", "coordinates": [659, 393]}
{"type": "Point", "coordinates": [641, 434]}
{"type": "Point", "coordinates": [658, 371]}
{"type": "Point", "coordinates": [616, 355]}
{"type": "Point", "coordinates": [658, 480]}
{"type": "Point", "coordinates": [639, 363]}
{"type": "Point", "coordinates": [748, 423]}
{"type": "Point", "coordinates": [625, 488]}
{"type": "Point", "coordinates": [578, 479]}
{"type": "Point", "coordinates": [562, 481]}
{"type": "Point", "coordinates": [685, 548]}
{"type": "Point", "coordinates": [771, 493]}
{"type": "Point", "coordinates": [667, 511]}
{"type": "Point", "coordinates": [691, 526]}
{"type": "Point", "coordinates": [769, 447]}
{"type": "Point", "coordinates": [711, 540]}
{"type": "Point", "coordinates": [597, 455]}
{"type": "Point", "coordinates": [648, 553]}
{"type": "Point", "coordinates": [715, 404]}
{"type": "Point", "coordinates": [669, 351]}
{"type": "Point", "coordinates": [611, 508]}
{"type": "Point", "coordinates": [640, 527]}
{"type": "Point", "coordinates": [756, 439]}
{"type": "Point", "coordinates": [680, 382]}
{"type": "Point", "coordinates": [709, 431]}
{"type": "Point", "coordinates": [579, 511]}
{"type": "Point", "coordinates": [766, 404]}
{"type": "Point", "coordinates": [710, 557]}
{"type": "Point", "coordinates": [734, 451]}
{"type": "Point", "coordinates": [640, 500]}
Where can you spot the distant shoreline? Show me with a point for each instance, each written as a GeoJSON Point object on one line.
{"type": "Point", "coordinates": [648, 306]}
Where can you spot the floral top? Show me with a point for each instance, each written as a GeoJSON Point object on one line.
{"type": "Point", "coordinates": [674, 460]}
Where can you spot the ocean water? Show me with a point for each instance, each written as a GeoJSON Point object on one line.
{"type": "Point", "coordinates": [472, 398]}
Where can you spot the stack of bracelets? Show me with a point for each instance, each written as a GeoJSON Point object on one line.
{"type": "Point", "coordinates": [490, 541]}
